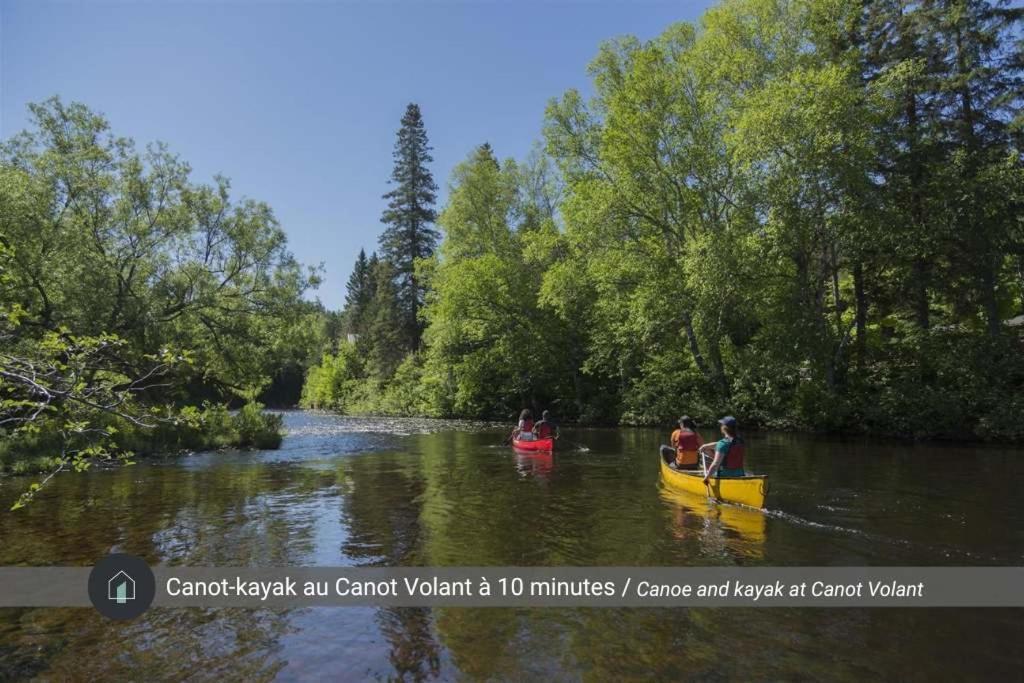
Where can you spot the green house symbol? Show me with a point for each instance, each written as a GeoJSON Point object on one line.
{"type": "Point", "coordinates": [121, 588]}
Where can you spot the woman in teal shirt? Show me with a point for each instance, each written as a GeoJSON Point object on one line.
{"type": "Point", "coordinates": [729, 452]}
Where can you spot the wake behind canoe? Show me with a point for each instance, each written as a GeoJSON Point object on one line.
{"type": "Point", "coordinates": [747, 490]}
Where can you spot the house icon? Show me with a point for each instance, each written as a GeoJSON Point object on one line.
{"type": "Point", "coordinates": [121, 588]}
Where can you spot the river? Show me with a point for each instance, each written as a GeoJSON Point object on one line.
{"type": "Point", "coordinates": [373, 492]}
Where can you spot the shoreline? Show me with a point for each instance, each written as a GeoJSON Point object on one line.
{"type": "Point", "coordinates": [837, 434]}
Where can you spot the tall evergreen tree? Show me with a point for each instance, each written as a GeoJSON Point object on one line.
{"type": "Point", "coordinates": [358, 295]}
{"type": "Point", "coordinates": [959, 73]}
{"type": "Point", "coordinates": [409, 218]}
{"type": "Point", "coordinates": [978, 95]}
{"type": "Point", "coordinates": [382, 342]}
{"type": "Point", "coordinates": [898, 40]}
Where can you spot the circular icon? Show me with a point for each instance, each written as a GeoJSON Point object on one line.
{"type": "Point", "coordinates": [121, 586]}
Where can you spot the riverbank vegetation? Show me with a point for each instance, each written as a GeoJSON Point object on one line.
{"type": "Point", "coordinates": [805, 213]}
{"type": "Point", "coordinates": [131, 296]}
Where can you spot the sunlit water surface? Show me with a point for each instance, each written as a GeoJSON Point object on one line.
{"type": "Point", "coordinates": [374, 492]}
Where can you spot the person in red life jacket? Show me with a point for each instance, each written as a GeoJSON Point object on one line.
{"type": "Point", "coordinates": [524, 430]}
{"type": "Point", "coordinates": [729, 452]}
{"type": "Point", "coordinates": [546, 428]}
{"type": "Point", "coordinates": [685, 444]}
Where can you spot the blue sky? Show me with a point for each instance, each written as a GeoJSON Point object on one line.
{"type": "Point", "coordinates": [298, 102]}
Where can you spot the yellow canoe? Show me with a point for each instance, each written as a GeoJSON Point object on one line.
{"type": "Point", "coordinates": [749, 490]}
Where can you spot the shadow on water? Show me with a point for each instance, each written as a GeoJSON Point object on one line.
{"type": "Point", "coordinates": [346, 491]}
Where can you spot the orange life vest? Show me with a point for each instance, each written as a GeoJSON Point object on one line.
{"type": "Point", "coordinates": [686, 444]}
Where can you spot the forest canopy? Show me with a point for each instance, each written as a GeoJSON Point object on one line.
{"type": "Point", "coordinates": [804, 212]}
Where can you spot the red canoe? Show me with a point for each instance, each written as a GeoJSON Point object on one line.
{"type": "Point", "coordinates": [537, 445]}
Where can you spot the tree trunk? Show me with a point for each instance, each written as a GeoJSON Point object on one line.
{"type": "Point", "coordinates": [691, 338]}
{"type": "Point", "coordinates": [721, 382]}
{"type": "Point", "coordinates": [577, 389]}
{"type": "Point", "coordinates": [988, 257]}
{"type": "Point", "coordinates": [861, 303]}
{"type": "Point", "coordinates": [1020, 274]}
{"type": "Point", "coordinates": [836, 297]}
{"type": "Point", "coordinates": [989, 301]}
{"type": "Point", "coordinates": [919, 268]}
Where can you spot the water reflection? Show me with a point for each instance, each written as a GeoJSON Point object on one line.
{"type": "Point", "coordinates": [735, 531]}
{"type": "Point", "coordinates": [363, 492]}
{"type": "Point", "coordinates": [535, 464]}
{"type": "Point", "coordinates": [381, 511]}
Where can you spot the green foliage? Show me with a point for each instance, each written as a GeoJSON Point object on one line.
{"type": "Point", "coordinates": [488, 339]}
{"type": "Point", "coordinates": [108, 240]}
{"type": "Point", "coordinates": [803, 213]}
{"type": "Point", "coordinates": [408, 393]}
{"type": "Point", "coordinates": [36, 465]}
{"type": "Point", "coordinates": [332, 385]}
{"type": "Point", "coordinates": [409, 236]}
{"type": "Point", "coordinates": [129, 292]}
{"type": "Point", "coordinates": [725, 204]}
{"type": "Point", "coordinates": [256, 428]}
{"type": "Point", "coordinates": [383, 338]}
{"type": "Point", "coordinates": [211, 427]}
{"type": "Point", "coordinates": [359, 294]}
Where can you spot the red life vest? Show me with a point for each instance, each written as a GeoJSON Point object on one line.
{"type": "Point", "coordinates": [733, 459]}
{"type": "Point", "coordinates": [688, 441]}
{"type": "Point", "coordinates": [527, 426]}
{"type": "Point", "coordinates": [543, 430]}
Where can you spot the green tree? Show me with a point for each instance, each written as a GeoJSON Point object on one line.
{"type": "Point", "coordinates": [647, 173]}
{"type": "Point", "coordinates": [409, 235]}
{"type": "Point", "coordinates": [359, 294]}
{"type": "Point", "coordinates": [334, 383]}
{"type": "Point", "coordinates": [111, 241]}
{"type": "Point", "coordinates": [69, 388]}
{"type": "Point", "coordinates": [131, 293]}
{"type": "Point", "coordinates": [384, 326]}
{"type": "Point", "coordinates": [894, 43]}
{"type": "Point", "coordinates": [488, 340]}
{"type": "Point", "coordinates": [977, 97]}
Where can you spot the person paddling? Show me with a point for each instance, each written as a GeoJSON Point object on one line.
{"type": "Point", "coordinates": [685, 443]}
{"type": "Point", "coordinates": [728, 452]}
{"type": "Point", "coordinates": [546, 428]}
{"type": "Point", "coordinates": [524, 430]}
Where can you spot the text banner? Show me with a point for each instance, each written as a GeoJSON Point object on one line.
{"type": "Point", "coordinates": [537, 586]}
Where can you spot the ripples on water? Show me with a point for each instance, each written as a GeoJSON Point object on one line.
{"type": "Point", "coordinates": [327, 425]}
{"type": "Point", "coordinates": [386, 492]}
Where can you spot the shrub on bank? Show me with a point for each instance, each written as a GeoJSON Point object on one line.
{"type": "Point", "coordinates": [339, 384]}
{"type": "Point", "coordinates": [211, 427]}
{"type": "Point", "coordinates": [254, 428]}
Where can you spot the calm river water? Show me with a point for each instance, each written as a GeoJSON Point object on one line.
{"type": "Point", "coordinates": [346, 491]}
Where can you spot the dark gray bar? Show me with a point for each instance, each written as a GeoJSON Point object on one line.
{"type": "Point", "coordinates": [44, 587]}
{"type": "Point", "coordinates": [541, 586]}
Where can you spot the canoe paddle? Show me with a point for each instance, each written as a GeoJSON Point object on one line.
{"type": "Point", "coordinates": [704, 470]}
